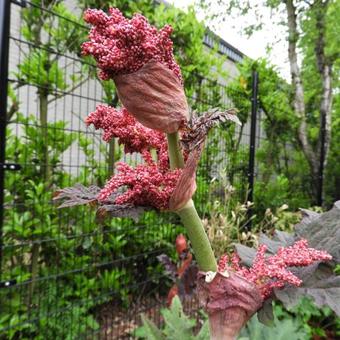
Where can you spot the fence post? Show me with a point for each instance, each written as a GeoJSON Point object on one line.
{"type": "Point", "coordinates": [252, 142]}
{"type": "Point", "coordinates": [5, 6]}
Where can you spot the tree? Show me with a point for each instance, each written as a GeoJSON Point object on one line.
{"type": "Point", "coordinates": [283, 176]}
{"type": "Point", "coordinates": [311, 28]}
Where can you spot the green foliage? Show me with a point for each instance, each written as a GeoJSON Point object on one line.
{"type": "Point", "coordinates": [302, 322]}
{"type": "Point", "coordinates": [177, 326]}
{"type": "Point", "coordinates": [287, 328]}
{"type": "Point", "coordinates": [332, 183]}
{"type": "Point", "coordinates": [282, 167]}
{"type": "Point", "coordinates": [193, 57]}
{"type": "Point", "coordinates": [316, 34]}
{"type": "Point", "coordinates": [226, 217]}
{"type": "Point", "coordinates": [64, 309]}
{"type": "Point", "coordinates": [39, 71]}
{"type": "Point", "coordinates": [149, 330]}
{"type": "Point", "coordinates": [316, 321]}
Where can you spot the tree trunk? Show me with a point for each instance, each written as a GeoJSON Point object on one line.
{"type": "Point", "coordinates": [312, 155]}
{"type": "Point", "coordinates": [324, 66]}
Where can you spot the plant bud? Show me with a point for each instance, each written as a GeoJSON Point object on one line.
{"type": "Point", "coordinates": [154, 96]}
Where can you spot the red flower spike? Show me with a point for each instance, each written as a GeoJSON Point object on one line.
{"type": "Point", "coordinates": [235, 293]}
{"type": "Point", "coordinates": [122, 45]}
{"type": "Point", "coordinates": [140, 60]}
{"type": "Point", "coordinates": [122, 125]}
{"type": "Point", "coordinates": [223, 263]}
{"type": "Point", "coordinates": [271, 272]}
{"type": "Point", "coordinates": [150, 184]}
{"type": "Point", "coordinates": [146, 186]}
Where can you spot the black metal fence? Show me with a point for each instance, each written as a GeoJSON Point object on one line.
{"type": "Point", "coordinates": [64, 276]}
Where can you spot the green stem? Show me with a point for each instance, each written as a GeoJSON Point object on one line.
{"type": "Point", "coordinates": [175, 153]}
{"type": "Point", "coordinates": [199, 240]}
{"type": "Point", "coordinates": [189, 217]}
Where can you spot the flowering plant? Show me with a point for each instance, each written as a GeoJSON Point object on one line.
{"type": "Point", "coordinates": [155, 122]}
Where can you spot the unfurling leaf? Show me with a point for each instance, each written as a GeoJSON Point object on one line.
{"type": "Point", "coordinates": [232, 299]}
{"type": "Point", "coordinates": [121, 210]}
{"type": "Point", "coordinates": [81, 195]}
{"type": "Point", "coordinates": [198, 127]}
{"type": "Point", "coordinates": [77, 195]}
{"type": "Point", "coordinates": [169, 266]}
{"type": "Point", "coordinates": [186, 184]}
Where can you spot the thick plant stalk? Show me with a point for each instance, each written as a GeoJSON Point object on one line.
{"type": "Point", "coordinates": [230, 302]}
{"type": "Point", "coordinates": [200, 243]}
{"type": "Point", "coordinates": [189, 217]}
{"type": "Point", "coordinates": [174, 149]}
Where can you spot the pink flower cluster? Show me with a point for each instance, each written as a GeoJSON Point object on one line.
{"type": "Point", "coordinates": [269, 272]}
{"type": "Point", "coordinates": [122, 46]}
{"type": "Point", "coordinates": [122, 125]}
{"type": "Point", "coordinates": [149, 184]}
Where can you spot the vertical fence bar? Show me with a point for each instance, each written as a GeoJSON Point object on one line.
{"type": "Point", "coordinates": [5, 6]}
{"type": "Point", "coordinates": [252, 146]}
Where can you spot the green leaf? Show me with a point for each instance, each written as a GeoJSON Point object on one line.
{"type": "Point", "coordinates": [281, 330]}
{"type": "Point", "coordinates": [204, 333]}
{"type": "Point", "coordinates": [149, 330]}
{"type": "Point", "coordinates": [265, 315]}
{"type": "Point", "coordinates": [178, 325]}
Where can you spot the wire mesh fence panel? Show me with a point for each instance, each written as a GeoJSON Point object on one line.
{"type": "Point", "coordinates": [225, 158]}
{"type": "Point", "coordinates": [65, 275]}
